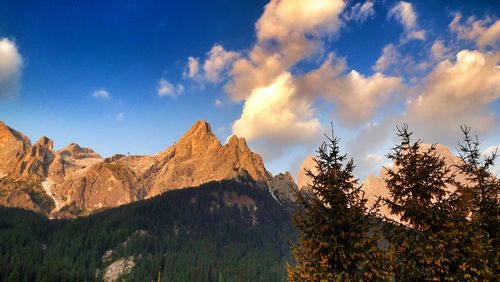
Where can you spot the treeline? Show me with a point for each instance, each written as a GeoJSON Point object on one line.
{"type": "Point", "coordinates": [447, 229]}
{"type": "Point", "coordinates": [196, 234]}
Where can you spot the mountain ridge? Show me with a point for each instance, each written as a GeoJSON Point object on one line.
{"type": "Point", "coordinates": [79, 181]}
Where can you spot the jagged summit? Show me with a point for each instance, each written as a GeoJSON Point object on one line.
{"type": "Point", "coordinates": [200, 130]}
{"type": "Point", "coordinates": [237, 141]}
{"type": "Point", "coordinates": [283, 187]}
{"type": "Point", "coordinates": [45, 142]}
{"type": "Point", "coordinates": [79, 181]}
{"type": "Point", "coordinates": [7, 133]}
{"type": "Point", "coordinates": [76, 151]}
{"type": "Point", "coordinates": [198, 157]}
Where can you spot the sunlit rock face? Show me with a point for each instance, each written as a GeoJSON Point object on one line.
{"type": "Point", "coordinates": [199, 157]}
{"type": "Point", "coordinates": [20, 159]}
{"type": "Point", "coordinates": [283, 187]}
{"type": "Point", "coordinates": [303, 180]}
{"type": "Point", "coordinates": [77, 181]}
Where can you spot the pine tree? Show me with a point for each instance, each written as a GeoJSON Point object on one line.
{"type": "Point", "coordinates": [434, 240]}
{"type": "Point", "coordinates": [480, 197]}
{"type": "Point", "coordinates": [336, 238]}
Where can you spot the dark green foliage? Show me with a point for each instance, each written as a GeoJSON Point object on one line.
{"type": "Point", "coordinates": [435, 239]}
{"type": "Point", "coordinates": [210, 233]}
{"type": "Point", "coordinates": [480, 199]}
{"type": "Point", "coordinates": [337, 241]}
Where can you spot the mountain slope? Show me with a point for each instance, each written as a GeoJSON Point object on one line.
{"type": "Point", "coordinates": [78, 181]}
{"type": "Point", "coordinates": [220, 231]}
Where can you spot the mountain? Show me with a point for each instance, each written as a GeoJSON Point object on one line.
{"type": "Point", "coordinates": [229, 230]}
{"type": "Point", "coordinates": [77, 181]}
{"type": "Point", "coordinates": [283, 188]}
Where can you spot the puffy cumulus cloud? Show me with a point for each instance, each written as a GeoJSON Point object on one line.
{"type": "Point", "coordinates": [165, 88]}
{"type": "Point", "coordinates": [274, 113]}
{"type": "Point", "coordinates": [214, 68]}
{"type": "Point", "coordinates": [218, 62]}
{"type": "Point", "coordinates": [10, 68]}
{"type": "Point", "coordinates": [356, 97]}
{"type": "Point", "coordinates": [360, 12]}
{"type": "Point", "coordinates": [405, 14]}
{"type": "Point", "coordinates": [438, 50]}
{"type": "Point", "coordinates": [285, 20]}
{"type": "Point", "coordinates": [390, 56]}
{"type": "Point", "coordinates": [483, 32]}
{"type": "Point", "coordinates": [101, 94]}
{"type": "Point", "coordinates": [192, 68]}
{"type": "Point", "coordinates": [456, 93]}
{"type": "Point", "coordinates": [218, 103]}
{"type": "Point", "coordinates": [287, 32]}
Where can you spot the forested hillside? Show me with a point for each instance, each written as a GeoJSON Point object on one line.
{"type": "Point", "coordinates": [220, 231]}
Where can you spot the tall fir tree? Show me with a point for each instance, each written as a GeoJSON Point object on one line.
{"type": "Point", "coordinates": [433, 240]}
{"type": "Point", "coordinates": [337, 241]}
{"type": "Point", "coordinates": [480, 196]}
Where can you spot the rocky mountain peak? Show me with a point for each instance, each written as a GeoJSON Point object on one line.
{"type": "Point", "coordinates": [74, 150]}
{"type": "Point", "coordinates": [45, 143]}
{"type": "Point", "coordinates": [197, 140]}
{"type": "Point", "coordinates": [199, 131]}
{"type": "Point", "coordinates": [80, 181]}
{"type": "Point", "coordinates": [238, 143]}
{"type": "Point", "coordinates": [8, 134]}
{"type": "Point", "coordinates": [283, 187]}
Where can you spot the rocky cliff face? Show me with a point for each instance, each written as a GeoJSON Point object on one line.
{"type": "Point", "coordinates": [282, 186]}
{"type": "Point", "coordinates": [198, 157]}
{"type": "Point", "coordinates": [78, 181]}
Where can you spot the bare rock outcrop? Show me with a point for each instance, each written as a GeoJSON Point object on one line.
{"type": "Point", "coordinates": [198, 157]}
{"type": "Point", "coordinates": [283, 187]}
{"type": "Point", "coordinates": [24, 195]}
{"type": "Point", "coordinates": [102, 185]}
{"type": "Point", "coordinates": [79, 181]}
{"type": "Point", "coordinates": [21, 160]}
{"type": "Point", "coordinates": [302, 179]}
{"type": "Point", "coordinates": [118, 269]}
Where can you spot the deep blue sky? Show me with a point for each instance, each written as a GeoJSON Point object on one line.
{"type": "Point", "coordinates": [72, 48]}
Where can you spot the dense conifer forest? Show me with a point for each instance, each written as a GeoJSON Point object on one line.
{"type": "Point", "coordinates": [220, 231]}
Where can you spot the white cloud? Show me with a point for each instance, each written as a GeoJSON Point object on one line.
{"type": "Point", "coordinates": [193, 68]}
{"type": "Point", "coordinates": [439, 50]}
{"type": "Point", "coordinates": [218, 62]}
{"type": "Point", "coordinates": [101, 94]}
{"type": "Point", "coordinates": [456, 93]}
{"type": "Point", "coordinates": [479, 31]}
{"type": "Point", "coordinates": [218, 103]}
{"type": "Point", "coordinates": [360, 12]}
{"type": "Point", "coordinates": [356, 97]}
{"type": "Point", "coordinates": [390, 56]}
{"type": "Point", "coordinates": [10, 68]}
{"type": "Point", "coordinates": [165, 88]}
{"type": "Point", "coordinates": [274, 113]}
{"type": "Point", "coordinates": [405, 14]}
{"type": "Point", "coordinates": [287, 32]}
{"type": "Point", "coordinates": [120, 117]}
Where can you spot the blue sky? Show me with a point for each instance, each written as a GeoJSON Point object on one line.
{"type": "Point", "coordinates": [116, 76]}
